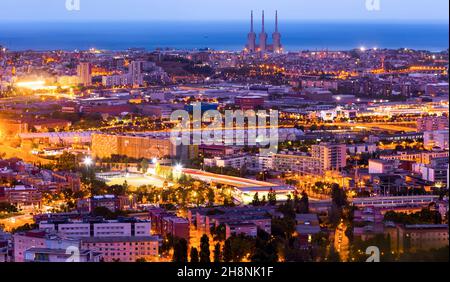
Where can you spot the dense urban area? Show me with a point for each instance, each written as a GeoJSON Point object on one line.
{"type": "Point", "coordinates": [89, 172]}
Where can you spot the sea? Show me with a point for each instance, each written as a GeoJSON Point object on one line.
{"type": "Point", "coordinates": [221, 35]}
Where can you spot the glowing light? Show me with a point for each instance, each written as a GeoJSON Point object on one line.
{"type": "Point", "coordinates": [178, 167]}
{"type": "Point", "coordinates": [33, 85]}
{"type": "Point", "coordinates": [362, 48]}
{"type": "Point", "coordinates": [154, 160]}
{"type": "Point", "coordinates": [87, 161]}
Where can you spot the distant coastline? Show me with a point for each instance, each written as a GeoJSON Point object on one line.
{"type": "Point", "coordinates": [221, 35]}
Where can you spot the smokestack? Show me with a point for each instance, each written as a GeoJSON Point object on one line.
{"type": "Point", "coordinates": [276, 21]}
{"type": "Point", "coordinates": [251, 21]}
{"type": "Point", "coordinates": [262, 21]}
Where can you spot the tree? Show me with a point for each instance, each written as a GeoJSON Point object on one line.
{"type": "Point", "coordinates": [144, 165]}
{"type": "Point", "coordinates": [8, 208]}
{"type": "Point", "coordinates": [227, 254]}
{"type": "Point", "coordinates": [272, 197]}
{"type": "Point", "coordinates": [256, 201]}
{"type": "Point", "coordinates": [210, 196]}
{"type": "Point", "coordinates": [338, 195]}
{"type": "Point", "coordinates": [194, 255]}
{"type": "Point", "coordinates": [117, 190]}
{"type": "Point", "coordinates": [304, 203]}
{"type": "Point", "coordinates": [67, 161]}
{"type": "Point", "coordinates": [103, 212]}
{"type": "Point", "coordinates": [217, 253]}
{"type": "Point", "coordinates": [333, 256]}
{"type": "Point", "coordinates": [263, 201]}
{"type": "Point", "coordinates": [218, 232]}
{"type": "Point", "coordinates": [265, 251]}
{"type": "Point", "coordinates": [180, 251]}
{"type": "Point", "coordinates": [241, 247]}
{"type": "Point", "coordinates": [204, 249]}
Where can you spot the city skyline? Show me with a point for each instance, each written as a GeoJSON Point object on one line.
{"type": "Point", "coordinates": [195, 131]}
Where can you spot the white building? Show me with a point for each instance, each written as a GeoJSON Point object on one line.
{"type": "Point", "coordinates": [135, 71]}
{"type": "Point", "coordinates": [107, 228]}
{"type": "Point", "coordinates": [377, 166]}
{"type": "Point", "coordinates": [116, 80]}
{"type": "Point", "coordinates": [250, 162]}
{"type": "Point", "coordinates": [361, 148]}
{"type": "Point", "coordinates": [437, 138]}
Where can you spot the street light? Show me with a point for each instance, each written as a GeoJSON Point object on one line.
{"type": "Point", "coordinates": [87, 161]}
{"type": "Point", "coordinates": [178, 167]}
{"type": "Point", "coordinates": [154, 160]}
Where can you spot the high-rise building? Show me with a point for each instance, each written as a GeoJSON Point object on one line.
{"type": "Point", "coordinates": [263, 37]}
{"type": "Point", "coordinates": [84, 74]}
{"type": "Point", "coordinates": [331, 156]}
{"type": "Point", "coordinates": [432, 123]}
{"type": "Point", "coordinates": [276, 37]}
{"type": "Point", "coordinates": [251, 37]}
{"type": "Point", "coordinates": [135, 71]}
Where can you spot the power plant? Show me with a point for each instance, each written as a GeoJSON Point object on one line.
{"type": "Point", "coordinates": [263, 47]}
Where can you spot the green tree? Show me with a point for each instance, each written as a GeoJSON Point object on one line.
{"type": "Point", "coordinates": [144, 165]}
{"type": "Point", "coordinates": [180, 251]}
{"type": "Point", "coordinates": [264, 200]}
{"type": "Point", "coordinates": [217, 253]}
{"type": "Point", "coordinates": [272, 197]}
{"type": "Point", "coordinates": [194, 255]}
{"type": "Point", "coordinates": [204, 249]}
{"type": "Point", "coordinates": [67, 161]}
{"type": "Point", "coordinates": [227, 252]}
{"type": "Point", "coordinates": [338, 195]}
{"type": "Point", "coordinates": [210, 196]}
{"type": "Point", "coordinates": [256, 201]}
{"type": "Point", "coordinates": [241, 247]}
{"type": "Point", "coordinates": [8, 208]}
{"type": "Point", "coordinates": [303, 206]}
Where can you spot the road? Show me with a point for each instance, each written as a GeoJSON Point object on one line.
{"type": "Point", "coordinates": [383, 126]}
{"type": "Point", "coordinates": [341, 242]}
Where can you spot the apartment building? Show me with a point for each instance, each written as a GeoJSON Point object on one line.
{"type": "Point", "coordinates": [331, 156]}
{"type": "Point", "coordinates": [98, 227]}
{"type": "Point", "coordinates": [123, 248]}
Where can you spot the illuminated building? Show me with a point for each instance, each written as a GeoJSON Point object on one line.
{"type": "Point", "coordinates": [419, 237]}
{"type": "Point", "coordinates": [263, 47]}
{"type": "Point", "coordinates": [331, 156]}
{"type": "Point", "coordinates": [436, 139]}
{"type": "Point", "coordinates": [432, 123]}
{"type": "Point", "coordinates": [98, 227]}
{"type": "Point", "coordinates": [263, 37]}
{"type": "Point", "coordinates": [84, 74]}
{"type": "Point", "coordinates": [135, 71]}
{"type": "Point", "coordinates": [139, 146]}
{"type": "Point", "coordinates": [249, 102]}
{"type": "Point", "coordinates": [251, 37]}
{"type": "Point", "coordinates": [276, 37]}
{"type": "Point", "coordinates": [124, 248]}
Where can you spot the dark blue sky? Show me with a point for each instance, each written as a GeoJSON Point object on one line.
{"type": "Point", "coordinates": [424, 10]}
